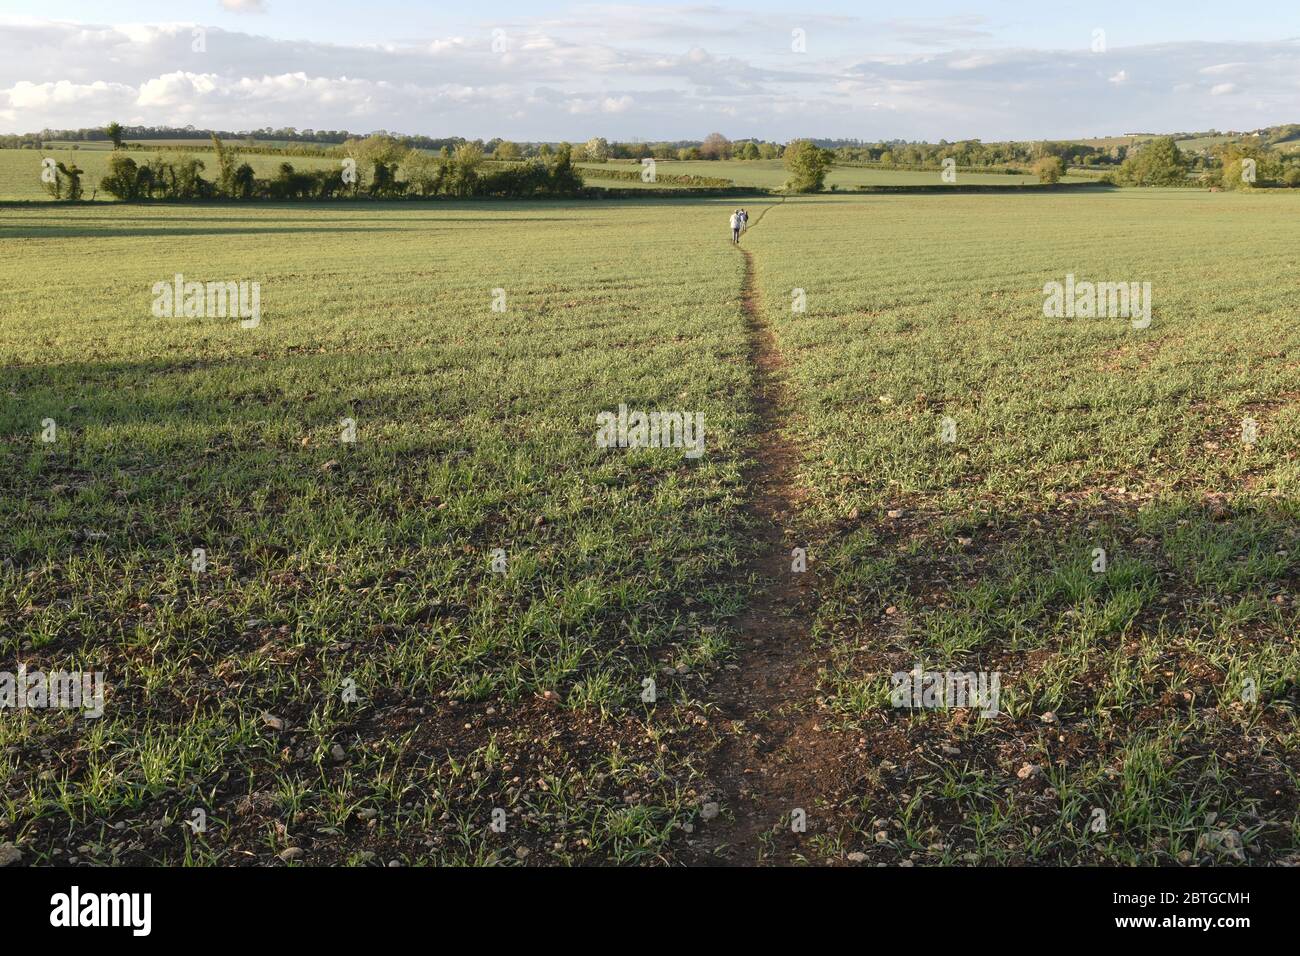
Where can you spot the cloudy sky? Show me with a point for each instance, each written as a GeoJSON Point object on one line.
{"type": "Point", "coordinates": [554, 70]}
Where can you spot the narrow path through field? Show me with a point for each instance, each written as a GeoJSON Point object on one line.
{"type": "Point", "coordinates": [766, 764]}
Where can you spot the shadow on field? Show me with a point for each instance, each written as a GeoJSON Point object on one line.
{"type": "Point", "coordinates": [48, 230]}
{"type": "Point", "coordinates": [1147, 666]}
{"type": "Point", "coordinates": [224, 388]}
{"type": "Point", "coordinates": [344, 217]}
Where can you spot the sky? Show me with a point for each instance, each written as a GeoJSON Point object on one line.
{"type": "Point", "coordinates": [544, 70]}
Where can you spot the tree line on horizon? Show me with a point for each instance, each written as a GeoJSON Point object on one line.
{"type": "Point", "coordinates": [384, 166]}
{"type": "Point", "coordinates": [378, 167]}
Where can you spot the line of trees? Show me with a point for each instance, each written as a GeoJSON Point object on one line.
{"type": "Point", "coordinates": [318, 142]}
{"type": "Point", "coordinates": [287, 134]}
{"type": "Point", "coordinates": [387, 167]}
{"type": "Point", "coordinates": [378, 166]}
{"type": "Point", "coordinates": [715, 146]}
{"type": "Point", "coordinates": [1235, 165]}
{"type": "Point", "coordinates": [975, 153]}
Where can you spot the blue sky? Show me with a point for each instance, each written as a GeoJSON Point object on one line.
{"type": "Point", "coordinates": [546, 70]}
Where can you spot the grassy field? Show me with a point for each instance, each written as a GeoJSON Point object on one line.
{"type": "Point", "coordinates": [1110, 142]}
{"type": "Point", "coordinates": [1127, 690]}
{"type": "Point", "coordinates": [369, 562]}
{"type": "Point", "coordinates": [771, 174]}
{"type": "Point", "coordinates": [349, 679]}
{"type": "Point", "coordinates": [20, 169]}
{"type": "Point", "coordinates": [1205, 142]}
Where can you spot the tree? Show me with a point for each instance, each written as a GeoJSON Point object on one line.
{"type": "Point", "coordinates": [66, 182]}
{"type": "Point", "coordinates": [565, 180]}
{"type": "Point", "coordinates": [375, 149]}
{"type": "Point", "coordinates": [807, 164]}
{"type": "Point", "coordinates": [1048, 169]}
{"type": "Point", "coordinates": [225, 167]}
{"type": "Point", "coordinates": [244, 182]}
{"type": "Point", "coordinates": [596, 150]}
{"type": "Point", "coordinates": [507, 150]}
{"type": "Point", "coordinates": [468, 156]}
{"type": "Point", "coordinates": [424, 172]}
{"type": "Point", "coordinates": [716, 146]}
{"type": "Point", "coordinates": [385, 184]}
{"type": "Point", "coordinates": [1158, 163]}
{"type": "Point", "coordinates": [123, 180]}
{"type": "Point", "coordinates": [114, 131]}
{"type": "Point", "coordinates": [1246, 165]}
{"type": "Point", "coordinates": [749, 151]}
{"type": "Point", "coordinates": [462, 177]}
{"type": "Point", "coordinates": [186, 178]}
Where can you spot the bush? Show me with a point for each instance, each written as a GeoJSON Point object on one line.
{"type": "Point", "coordinates": [1158, 163]}
{"type": "Point", "coordinates": [123, 180]}
{"type": "Point", "coordinates": [463, 175]}
{"type": "Point", "coordinates": [807, 164]}
{"type": "Point", "coordinates": [1048, 169]}
{"type": "Point", "coordinates": [66, 182]}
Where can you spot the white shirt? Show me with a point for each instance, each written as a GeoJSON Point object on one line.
{"type": "Point", "coordinates": [735, 221]}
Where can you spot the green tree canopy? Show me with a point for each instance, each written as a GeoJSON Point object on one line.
{"type": "Point", "coordinates": [1049, 169]}
{"type": "Point", "coordinates": [1159, 162]}
{"type": "Point", "coordinates": [807, 165]}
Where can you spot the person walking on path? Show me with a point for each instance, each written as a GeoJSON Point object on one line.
{"type": "Point", "coordinates": [735, 226]}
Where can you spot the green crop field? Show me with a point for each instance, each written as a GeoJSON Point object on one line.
{"type": "Point", "coordinates": [1160, 690]}
{"type": "Point", "coordinates": [771, 174]}
{"type": "Point", "coordinates": [1205, 142]}
{"type": "Point", "coordinates": [369, 562]}
{"type": "Point", "coordinates": [365, 586]}
{"type": "Point", "coordinates": [1109, 142]}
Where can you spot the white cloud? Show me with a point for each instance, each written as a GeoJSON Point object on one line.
{"type": "Point", "coordinates": [1222, 68]}
{"type": "Point", "coordinates": [598, 73]}
{"type": "Point", "coordinates": [245, 6]}
{"type": "Point", "coordinates": [176, 89]}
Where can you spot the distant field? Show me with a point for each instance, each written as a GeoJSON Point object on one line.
{"type": "Point", "coordinates": [20, 169]}
{"type": "Point", "coordinates": [771, 173]}
{"type": "Point", "coordinates": [1110, 142]}
{"type": "Point", "coordinates": [1205, 142]}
